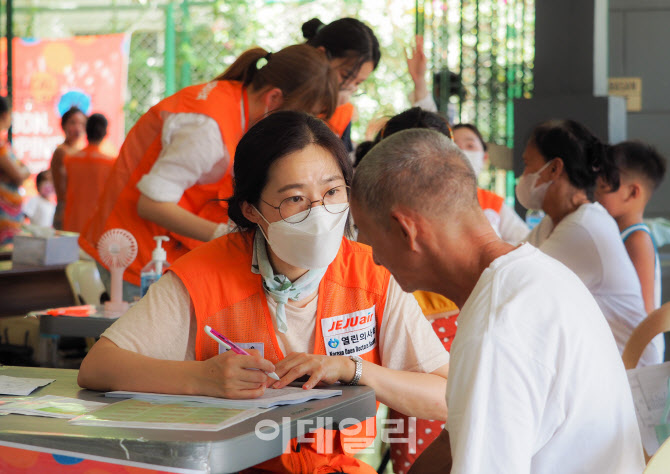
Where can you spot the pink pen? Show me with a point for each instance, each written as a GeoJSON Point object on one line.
{"type": "Point", "coordinates": [227, 343]}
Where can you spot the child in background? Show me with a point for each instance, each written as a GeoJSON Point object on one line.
{"type": "Point", "coordinates": [85, 175]}
{"type": "Point", "coordinates": [40, 209]}
{"type": "Point", "coordinates": [12, 175]}
{"type": "Point", "coordinates": [641, 169]}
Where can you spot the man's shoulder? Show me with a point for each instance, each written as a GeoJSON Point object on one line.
{"type": "Point", "coordinates": [528, 278]}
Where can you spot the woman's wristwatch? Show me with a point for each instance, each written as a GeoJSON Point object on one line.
{"type": "Point", "coordinates": [359, 369]}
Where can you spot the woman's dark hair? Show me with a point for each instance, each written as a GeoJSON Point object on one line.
{"type": "Point", "coordinates": [415, 117]}
{"type": "Point", "coordinates": [636, 157]}
{"type": "Point", "coordinates": [584, 155]}
{"type": "Point", "coordinates": [302, 73]}
{"type": "Point", "coordinates": [4, 105]}
{"type": "Point", "coordinates": [96, 127]}
{"type": "Point", "coordinates": [474, 130]}
{"type": "Point", "coordinates": [72, 111]}
{"type": "Point", "coordinates": [346, 38]}
{"type": "Point", "coordinates": [274, 137]}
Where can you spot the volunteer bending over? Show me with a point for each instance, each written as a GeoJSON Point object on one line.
{"type": "Point", "coordinates": [353, 51]}
{"type": "Point", "coordinates": [177, 159]}
{"type": "Point", "coordinates": [289, 282]}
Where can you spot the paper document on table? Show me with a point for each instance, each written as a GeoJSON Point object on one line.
{"type": "Point", "coordinates": [271, 398]}
{"type": "Point", "coordinates": [650, 389]}
{"type": "Point", "coordinates": [20, 385]}
{"type": "Point", "coordinates": [50, 406]}
{"type": "Point", "coordinates": [166, 416]}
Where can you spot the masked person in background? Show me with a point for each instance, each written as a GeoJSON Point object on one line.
{"type": "Point", "coordinates": [562, 162]}
{"type": "Point", "coordinates": [175, 166]}
{"type": "Point", "coordinates": [504, 220]}
{"type": "Point", "coordinates": [291, 283]}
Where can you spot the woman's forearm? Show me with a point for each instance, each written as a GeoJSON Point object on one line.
{"type": "Point", "coordinates": [411, 393]}
{"type": "Point", "coordinates": [175, 219]}
{"type": "Point", "coordinates": [108, 367]}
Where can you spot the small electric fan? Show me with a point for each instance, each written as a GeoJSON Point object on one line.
{"type": "Point", "coordinates": [117, 249]}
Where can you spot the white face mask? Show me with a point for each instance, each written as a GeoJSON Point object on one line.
{"type": "Point", "coordinates": [312, 243]}
{"type": "Point", "coordinates": [476, 159]}
{"type": "Point", "coordinates": [529, 195]}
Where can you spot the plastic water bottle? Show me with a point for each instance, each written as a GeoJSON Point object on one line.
{"type": "Point", "coordinates": [533, 217]}
{"type": "Point", "coordinates": [153, 270]}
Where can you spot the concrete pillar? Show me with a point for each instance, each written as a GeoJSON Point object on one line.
{"type": "Point", "coordinates": [570, 73]}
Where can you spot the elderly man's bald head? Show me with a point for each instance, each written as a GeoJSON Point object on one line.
{"type": "Point", "coordinates": [417, 168]}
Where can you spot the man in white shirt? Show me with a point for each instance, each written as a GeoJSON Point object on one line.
{"type": "Point", "coordinates": [536, 383]}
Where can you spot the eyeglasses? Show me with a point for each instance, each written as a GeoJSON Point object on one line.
{"type": "Point", "coordinates": [295, 209]}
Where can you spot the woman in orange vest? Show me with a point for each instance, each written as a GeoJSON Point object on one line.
{"type": "Point", "coordinates": [174, 167]}
{"type": "Point", "coordinates": [73, 123]}
{"type": "Point", "coordinates": [503, 218]}
{"type": "Point", "coordinates": [353, 50]}
{"type": "Point", "coordinates": [86, 173]}
{"type": "Point", "coordinates": [291, 285]}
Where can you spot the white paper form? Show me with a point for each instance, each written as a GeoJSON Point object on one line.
{"type": "Point", "coordinates": [271, 398]}
{"type": "Point", "coordinates": [650, 389]}
{"type": "Point", "coordinates": [20, 385]}
{"type": "Point", "coordinates": [50, 406]}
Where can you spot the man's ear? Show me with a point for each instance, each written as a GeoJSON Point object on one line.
{"type": "Point", "coordinates": [405, 225]}
{"type": "Point", "coordinates": [273, 99]}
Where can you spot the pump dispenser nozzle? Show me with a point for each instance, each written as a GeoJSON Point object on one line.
{"type": "Point", "coordinates": [159, 252]}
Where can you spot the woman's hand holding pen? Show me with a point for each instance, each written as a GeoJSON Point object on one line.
{"type": "Point", "coordinates": [320, 368]}
{"type": "Point", "coordinates": [228, 375]}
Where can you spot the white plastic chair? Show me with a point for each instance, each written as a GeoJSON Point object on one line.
{"type": "Point", "coordinates": [85, 281]}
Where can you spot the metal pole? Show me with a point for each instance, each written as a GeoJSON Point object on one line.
{"type": "Point", "coordinates": [10, 36]}
{"type": "Point", "coordinates": [184, 43]}
{"type": "Point", "coordinates": [169, 60]}
{"type": "Point", "coordinates": [477, 65]}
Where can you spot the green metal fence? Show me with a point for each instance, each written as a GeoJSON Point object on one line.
{"type": "Point", "coordinates": [488, 47]}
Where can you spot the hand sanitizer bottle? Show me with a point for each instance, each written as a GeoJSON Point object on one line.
{"type": "Point", "coordinates": [153, 270]}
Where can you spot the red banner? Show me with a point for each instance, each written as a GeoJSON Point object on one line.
{"type": "Point", "coordinates": [50, 76]}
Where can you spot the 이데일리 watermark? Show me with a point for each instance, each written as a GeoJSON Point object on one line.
{"type": "Point", "coordinates": [320, 432]}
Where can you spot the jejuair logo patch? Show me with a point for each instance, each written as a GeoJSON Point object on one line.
{"type": "Point", "coordinates": [352, 333]}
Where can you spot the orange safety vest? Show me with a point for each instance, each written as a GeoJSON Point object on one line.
{"type": "Point", "coordinates": [87, 171]}
{"type": "Point", "coordinates": [433, 303]}
{"type": "Point", "coordinates": [489, 200]}
{"type": "Point", "coordinates": [227, 296]}
{"type": "Point", "coordinates": [220, 100]}
{"type": "Point", "coordinates": [341, 118]}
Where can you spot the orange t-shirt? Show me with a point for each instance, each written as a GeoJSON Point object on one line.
{"type": "Point", "coordinates": [86, 171]}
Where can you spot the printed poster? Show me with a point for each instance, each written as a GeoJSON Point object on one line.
{"type": "Point", "coordinates": [50, 76]}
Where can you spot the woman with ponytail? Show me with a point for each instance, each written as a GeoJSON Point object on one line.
{"type": "Point", "coordinates": [563, 160]}
{"type": "Point", "coordinates": [174, 168]}
{"type": "Point", "coordinates": [353, 51]}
